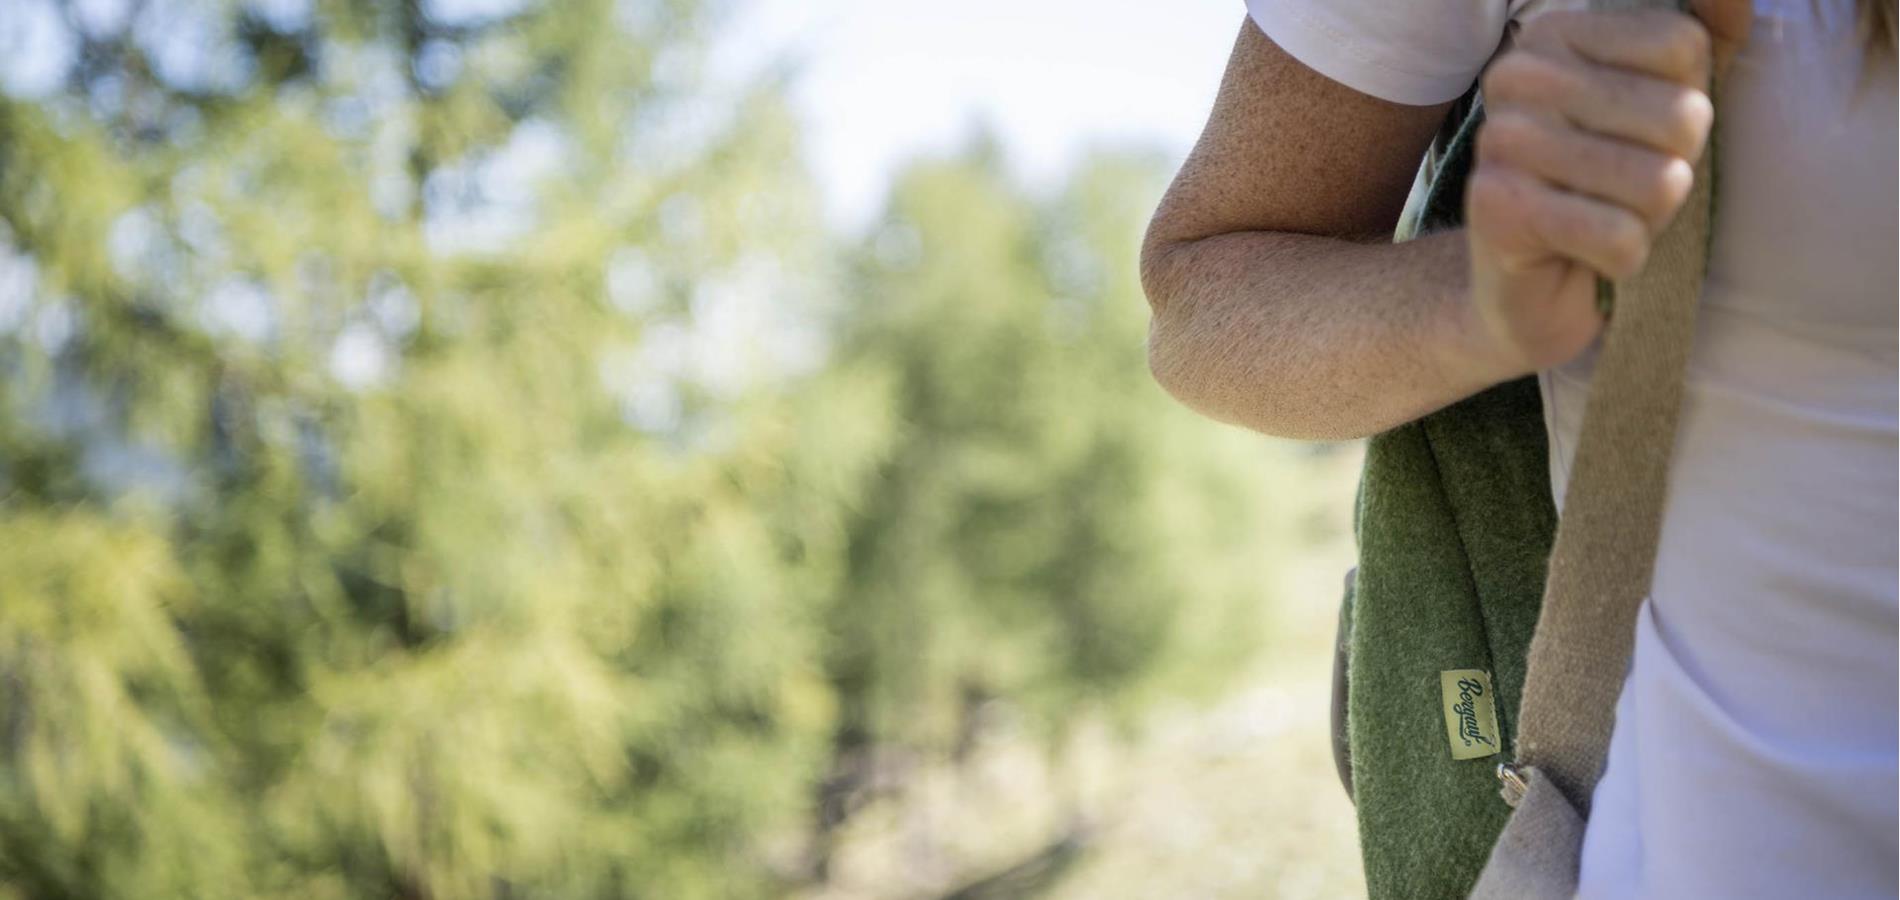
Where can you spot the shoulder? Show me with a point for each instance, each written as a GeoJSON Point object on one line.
{"type": "Point", "coordinates": [1416, 52]}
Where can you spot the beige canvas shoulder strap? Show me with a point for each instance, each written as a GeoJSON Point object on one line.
{"type": "Point", "coordinates": [1605, 553]}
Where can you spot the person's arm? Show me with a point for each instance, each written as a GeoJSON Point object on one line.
{"type": "Point", "coordinates": [1279, 303]}
{"type": "Point", "coordinates": [1278, 299]}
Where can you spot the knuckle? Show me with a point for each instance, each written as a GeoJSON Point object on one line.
{"type": "Point", "coordinates": [1690, 116]}
{"type": "Point", "coordinates": [1648, 186]}
{"type": "Point", "coordinates": [1495, 202]}
{"type": "Point", "coordinates": [1689, 44]}
{"type": "Point", "coordinates": [1501, 80]}
{"type": "Point", "coordinates": [1487, 195]}
{"type": "Point", "coordinates": [1493, 143]}
{"type": "Point", "coordinates": [1679, 42]}
{"type": "Point", "coordinates": [1529, 78]}
{"type": "Point", "coordinates": [1506, 135]}
{"type": "Point", "coordinates": [1552, 26]}
{"type": "Point", "coordinates": [1668, 184]}
{"type": "Point", "coordinates": [1570, 227]}
{"type": "Point", "coordinates": [1539, 28]}
{"type": "Point", "coordinates": [1625, 244]}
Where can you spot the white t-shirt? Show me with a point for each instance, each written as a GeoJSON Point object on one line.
{"type": "Point", "coordinates": [1755, 746]}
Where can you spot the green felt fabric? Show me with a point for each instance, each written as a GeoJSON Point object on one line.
{"type": "Point", "coordinates": [1454, 524]}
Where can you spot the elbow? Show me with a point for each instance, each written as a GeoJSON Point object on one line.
{"type": "Point", "coordinates": [1166, 362]}
{"type": "Point", "coordinates": [1198, 355]}
{"type": "Point", "coordinates": [1180, 363]}
{"type": "Point", "coordinates": [1157, 279]}
{"type": "Point", "coordinates": [1175, 367]}
{"type": "Point", "coordinates": [1183, 355]}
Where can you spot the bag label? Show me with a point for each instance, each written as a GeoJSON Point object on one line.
{"type": "Point", "coordinates": [1471, 713]}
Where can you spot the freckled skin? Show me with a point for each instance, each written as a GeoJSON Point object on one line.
{"type": "Point", "coordinates": [1280, 216]}
{"type": "Point", "coordinates": [1279, 303]}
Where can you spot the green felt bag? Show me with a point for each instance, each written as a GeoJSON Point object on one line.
{"type": "Point", "coordinates": [1454, 524]}
{"type": "Point", "coordinates": [1481, 636]}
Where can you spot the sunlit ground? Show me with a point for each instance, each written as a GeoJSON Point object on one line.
{"type": "Point", "coordinates": [1236, 797]}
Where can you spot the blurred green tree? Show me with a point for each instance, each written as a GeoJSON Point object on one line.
{"type": "Point", "coordinates": [373, 526]}
{"type": "Point", "coordinates": [441, 457]}
{"type": "Point", "coordinates": [1047, 528]}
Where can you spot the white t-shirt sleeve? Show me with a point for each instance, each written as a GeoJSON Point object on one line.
{"type": "Point", "coordinates": [1417, 52]}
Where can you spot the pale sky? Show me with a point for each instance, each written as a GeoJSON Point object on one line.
{"type": "Point", "coordinates": [880, 81]}
{"type": "Point", "coordinates": [883, 80]}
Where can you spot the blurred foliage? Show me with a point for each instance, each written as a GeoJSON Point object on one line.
{"type": "Point", "coordinates": [441, 456]}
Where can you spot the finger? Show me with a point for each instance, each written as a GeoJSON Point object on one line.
{"type": "Point", "coordinates": [1656, 42]}
{"type": "Point", "coordinates": [1665, 116]}
{"type": "Point", "coordinates": [1528, 221]}
{"type": "Point", "coordinates": [1650, 184]}
{"type": "Point", "coordinates": [1729, 22]}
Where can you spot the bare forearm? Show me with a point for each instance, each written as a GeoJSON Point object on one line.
{"type": "Point", "coordinates": [1314, 337]}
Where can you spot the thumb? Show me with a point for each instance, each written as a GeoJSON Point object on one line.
{"type": "Point", "coordinates": [1728, 22]}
